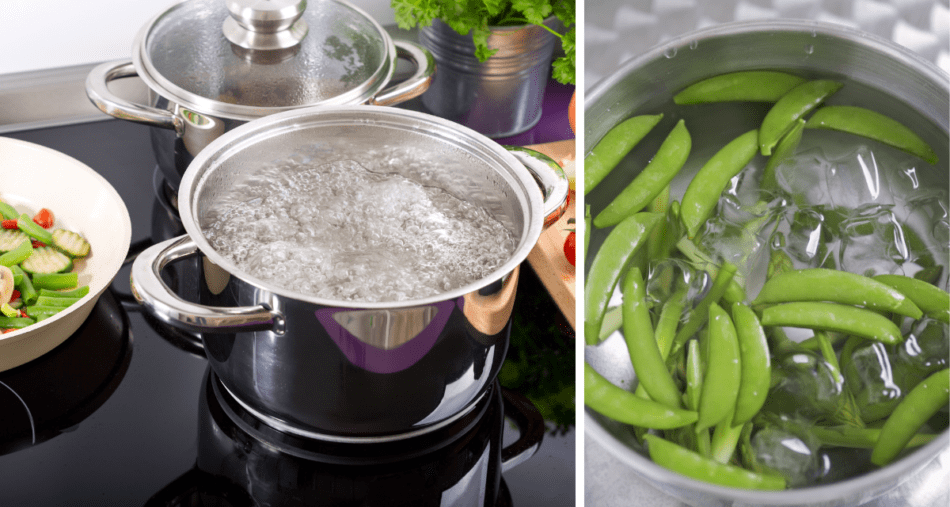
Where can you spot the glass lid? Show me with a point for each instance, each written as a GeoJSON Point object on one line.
{"type": "Point", "coordinates": [251, 58]}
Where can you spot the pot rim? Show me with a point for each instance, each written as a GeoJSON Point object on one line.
{"type": "Point", "coordinates": [640, 464]}
{"type": "Point", "coordinates": [159, 84]}
{"type": "Point", "coordinates": [517, 176]}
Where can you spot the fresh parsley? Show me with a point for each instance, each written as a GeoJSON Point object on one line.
{"type": "Point", "coordinates": [477, 16]}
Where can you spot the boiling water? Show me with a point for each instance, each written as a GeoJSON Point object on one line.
{"type": "Point", "coordinates": [343, 232]}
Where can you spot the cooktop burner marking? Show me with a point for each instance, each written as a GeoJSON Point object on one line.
{"type": "Point", "coordinates": [28, 413]}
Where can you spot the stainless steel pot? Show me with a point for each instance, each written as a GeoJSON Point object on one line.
{"type": "Point", "coordinates": [876, 67]}
{"type": "Point", "coordinates": [349, 371]}
{"type": "Point", "coordinates": [212, 65]}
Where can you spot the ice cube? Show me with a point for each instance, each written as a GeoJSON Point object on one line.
{"type": "Point", "coordinates": [806, 387]}
{"type": "Point", "coordinates": [872, 241]}
{"type": "Point", "coordinates": [794, 456]}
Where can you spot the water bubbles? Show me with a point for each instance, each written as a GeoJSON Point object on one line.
{"type": "Point", "coordinates": [669, 52]}
{"type": "Point", "coordinates": [809, 49]}
{"type": "Point", "coordinates": [693, 44]}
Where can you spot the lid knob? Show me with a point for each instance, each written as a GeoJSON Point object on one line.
{"type": "Point", "coordinates": [265, 24]}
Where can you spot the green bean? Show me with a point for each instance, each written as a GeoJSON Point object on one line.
{"type": "Point", "coordinates": [743, 86]}
{"type": "Point", "coordinates": [930, 299]}
{"type": "Point", "coordinates": [641, 343]}
{"type": "Point", "coordinates": [920, 404]}
{"type": "Point", "coordinates": [792, 106]}
{"type": "Point", "coordinates": [60, 302]}
{"type": "Point", "coordinates": [37, 310]}
{"type": "Point", "coordinates": [614, 146]}
{"type": "Point", "coordinates": [55, 281]}
{"type": "Point", "coordinates": [623, 406]}
{"type": "Point", "coordinates": [723, 370]}
{"type": "Point", "coordinates": [833, 317]}
{"type": "Point", "coordinates": [669, 159]}
{"type": "Point", "coordinates": [609, 262]}
{"type": "Point", "coordinates": [700, 313]}
{"type": "Point", "coordinates": [872, 125]}
{"type": "Point", "coordinates": [783, 150]}
{"type": "Point", "coordinates": [704, 190]}
{"type": "Point", "coordinates": [8, 212]}
{"type": "Point", "coordinates": [28, 226]}
{"type": "Point", "coordinates": [686, 462]}
{"type": "Point", "coordinates": [755, 363]}
{"type": "Point", "coordinates": [25, 286]}
{"type": "Point", "coordinates": [74, 293]}
{"type": "Point", "coordinates": [17, 255]}
{"type": "Point", "coordinates": [819, 284]}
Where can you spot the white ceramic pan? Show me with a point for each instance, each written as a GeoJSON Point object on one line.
{"type": "Point", "coordinates": [33, 177]}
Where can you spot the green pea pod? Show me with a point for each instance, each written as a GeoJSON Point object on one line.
{"type": "Point", "coordinates": [694, 375]}
{"type": "Point", "coordinates": [609, 262]}
{"type": "Point", "coordinates": [819, 284]}
{"type": "Point", "coordinates": [723, 370]}
{"type": "Point", "coordinates": [920, 404]}
{"type": "Point", "coordinates": [783, 150]}
{"type": "Point", "coordinates": [793, 105]}
{"type": "Point", "coordinates": [669, 320]}
{"type": "Point", "coordinates": [623, 406]}
{"type": "Point", "coordinates": [755, 364]}
{"type": "Point", "coordinates": [930, 299]}
{"type": "Point", "coordinates": [743, 86]}
{"type": "Point", "coordinates": [725, 438]}
{"type": "Point", "coordinates": [686, 462]}
{"type": "Point", "coordinates": [872, 125]}
{"type": "Point", "coordinates": [669, 159]}
{"type": "Point", "coordinates": [833, 317]}
{"type": "Point", "coordinates": [704, 190]}
{"type": "Point", "coordinates": [641, 343]}
{"type": "Point", "coordinates": [614, 146]}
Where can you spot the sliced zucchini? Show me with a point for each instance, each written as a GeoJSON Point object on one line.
{"type": "Point", "coordinates": [45, 260]}
{"type": "Point", "coordinates": [70, 242]}
{"type": "Point", "coordinates": [11, 238]}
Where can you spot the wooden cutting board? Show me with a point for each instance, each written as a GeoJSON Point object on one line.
{"type": "Point", "coordinates": [547, 258]}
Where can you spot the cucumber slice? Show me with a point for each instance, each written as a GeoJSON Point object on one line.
{"type": "Point", "coordinates": [11, 238]}
{"type": "Point", "coordinates": [47, 260]}
{"type": "Point", "coordinates": [70, 242]}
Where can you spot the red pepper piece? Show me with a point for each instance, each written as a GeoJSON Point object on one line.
{"type": "Point", "coordinates": [9, 224]}
{"type": "Point", "coordinates": [14, 295]}
{"type": "Point", "coordinates": [44, 218]}
{"type": "Point", "coordinates": [38, 244]}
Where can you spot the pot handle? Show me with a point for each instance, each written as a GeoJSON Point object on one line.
{"type": "Point", "coordinates": [416, 84]}
{"type": "Point", "coordinates": [550, 177]}
{"type": "Point", "coordinates": [151, 291]}
{"type": "Point", "coordinates": [97, 89]}
{"type": "Point", "coordinates": [530, 424]}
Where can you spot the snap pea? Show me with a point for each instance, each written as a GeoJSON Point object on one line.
{"type": "Point", "coordinates": [743, 86]}
{"type": "Point", "coordinates": [701, 312]}
{"type": "Point", "coordinates": [614, 146]}
{"type": "Point", "coordinates": [669, 320]}
{"type": "Point", "coordinates": [725, 438]}
{"type": "Point", "coordinates": [872, 125]}
{"type": "Point", "coordinates": [792, 106]}
{"type": "Point", "coordinates": [641, 343]}
{"type": "Point", "coordinates": [669, 159]}
{"type": "Point", "coordinates": [723, 370]}
{"type": "Point", "coordinates": [8, 212]}
{"type": "Point", "coordinates": [920, 404]}
{"type": "Point", "coordinates": [833, 317]}
{"type": "Point", "coordinates": [609, 262]}
{"type": "Point", "coordinates": [28, 226]}
{"type": "Point", "coordinates": [694, 375]}
{"type": "Point", "coordinates": [784, 149]}
{"type": "Point", "coordinates": [754, 361]}
{"type": "Point", "coordinates": [686, 462]}
{"type": "Point", "coordinates": [930, 299]}
{"type": "Point", "coordinates": [704, 190]}
{"type": "Point", "coordinates": [17, 255]}
{"type": "Point", "coordinates": [623, 406]}
{"type": "Point", "coordinates": [15, 322]}
{"type": "Point", "coordinates": [820, 284]}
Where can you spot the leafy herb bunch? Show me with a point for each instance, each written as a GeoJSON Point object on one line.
{"type": "Point", "coordinates": [476, 16]}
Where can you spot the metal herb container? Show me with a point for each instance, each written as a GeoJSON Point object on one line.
{"type": "Point", "coordinates": [918, 94]}
{"type": "Point", "coordinates": [346, 370]}
{"type": "Point", "coordinates": [213, 65]}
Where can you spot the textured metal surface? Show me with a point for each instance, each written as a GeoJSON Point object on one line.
{"type": "Point", "coordinates": [615, 30]}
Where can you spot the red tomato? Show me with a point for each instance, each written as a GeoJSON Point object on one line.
{"type": "Point", "coordinates": [44, 218]}
{"type": "Point", "coordinates": [569, 247]}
